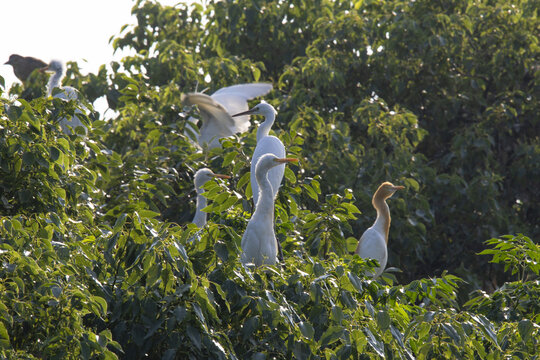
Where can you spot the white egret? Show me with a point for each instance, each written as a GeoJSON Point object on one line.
{"type": "Point", "coordinates": [266, 144]}
{"type": "Point", "coordinates": [216, 110]}
{"type": "Point", "coordinates": [259, 244]}
{"type": "Point", "coordinates": [202, 176]}
{"type": "Point", "coordinates": [374, 241]}
{"type": "Point", "coordinates": [56, 67]}
{"type": "Point", "coordinates": [24, 65]}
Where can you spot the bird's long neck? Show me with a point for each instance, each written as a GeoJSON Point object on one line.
{"type": "Point", "coordinates": [382, 223]}
{"type": "Point", "coordinates": [54, 81]}
{"type": "Point", "coordinates": [200, 216]}
{"type": "Point", "coordinates": [264, 128]}
{"type": "Point", "coordinates": [264, 208]}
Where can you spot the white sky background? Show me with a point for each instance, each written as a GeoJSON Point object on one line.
{"type": "Point", "coordinates": [67, 30]}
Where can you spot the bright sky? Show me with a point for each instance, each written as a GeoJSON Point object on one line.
{"type": "Point", "coordinates": [68, 30]}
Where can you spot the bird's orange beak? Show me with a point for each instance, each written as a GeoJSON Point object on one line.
{"type": "Point", "coordinates": [249, 112]}
{"type": "Point", "coordinates": [221, 176]}
{"type": "Point", "coordinates": [399, 187]}
{"type": "Point", "coordinates": [286, 160]}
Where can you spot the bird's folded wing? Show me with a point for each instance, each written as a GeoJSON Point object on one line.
{"type": "Point", "coordinates": [35, 63]}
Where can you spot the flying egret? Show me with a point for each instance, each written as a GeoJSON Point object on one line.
{"type": "Point", "coordinates": [259, 244]}
{"type": "Point", "coordinates": [202, 176]}
{"type": "Point", "coordinates": [216, 110]}
{"type": "Point", "coordinates": [24, 65]}
{"type": "Point", "coordinates": [266, 144]}
{"type": "Point", "coordinates": [374, 241]}
{"type": "Point", "coordinates": [56, 67]}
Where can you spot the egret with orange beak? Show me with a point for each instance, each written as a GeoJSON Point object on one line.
{"type": "Point", "coordinates": [373, 243]}
{"type": "Point", "coordinates": [259, 244]}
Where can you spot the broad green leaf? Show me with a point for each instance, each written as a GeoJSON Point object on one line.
{"type": "Point", "coordinates": [376, 344]}
{"type": "Point", "coordinates": [331, 335]}
{"type": "Point", "coordinates": [383, 320]}
{"type": "Point", "coordinates": [525, 328]}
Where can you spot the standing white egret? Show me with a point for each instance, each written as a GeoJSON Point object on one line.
{"type": "Point", "coordinates": [259, 244]}
{"type": "Point", "coordinates": [66, 93]}
{"type": "Point", "coordinates": [216, 110]}
{"type": "Point", "coordinates": [266, 144]}
{"type": "Point", "coordinates": [374, 241]}
{"type": "Point", "coordinates": [201, 177]}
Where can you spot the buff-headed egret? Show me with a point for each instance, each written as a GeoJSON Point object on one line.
{"type": "Point", "coordinates": [24, 65]}
{"type": "Point", "coordinates": [216, 111]}
{"type": "Point", "coordinates": [373, 243]}
{"type": "Point", "coordinates": [202, 176]}
{"type": "Point", "coordinates": [266, 144]}
{"type": "Point", "coordinates": [259, 244]}
{"type": "Point", "coordinates": [67, 93]}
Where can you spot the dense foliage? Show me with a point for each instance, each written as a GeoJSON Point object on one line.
{"type": "Point", "coordinates": [99, 259]}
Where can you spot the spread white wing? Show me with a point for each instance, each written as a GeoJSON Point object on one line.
{"type": "Point", "coordinates": [216, 110]}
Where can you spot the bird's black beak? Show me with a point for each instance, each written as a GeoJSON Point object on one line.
{"type": "Point", "coordinates": [249, 112]}
{"type": "Point", "coordinates": [7, 63]}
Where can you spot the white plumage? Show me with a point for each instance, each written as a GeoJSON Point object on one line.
{"type": "Point", "coordinates": [374, 241]}
{"type": "Point", "coordinates": [202, 176]}
{"type": "Point", "coordinates": [67, 93]}
{"type": "Point", "coordinates": [259, 244]}
{"type": "Point", "coordinates": [266, 144]}
{"type": "Point", "coordinates": [216, 110]}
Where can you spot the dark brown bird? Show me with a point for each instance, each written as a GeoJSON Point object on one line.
{"type": "Point", "coordinates": [24, 65]}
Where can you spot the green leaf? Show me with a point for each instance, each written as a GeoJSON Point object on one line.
{"type": "Point", "coordinates": [28, 158]}
{"type": "Point", "coordinates": [525, 328]}
{"type": "Point", "coordinates": [351, 208]}
{"type": "Point", "coordinates": [222, 251]}
{"type": "Point", "coordinates": [454, 335]}
{"type": "Point", "coordinates": [102, 304]}
{"type": "Point", "coordinates": [16, 225]}
{"type": "Point", "coordinates": [249, 327]}
{"type": "Point", "coordinates": [337, 314]}
{"type": "Point", "coordinates": [228, 159]}
{"type": "Point", "coordinates": [195, 336]}
{"type": "Point", "coordinates": [256, 73]}
{"type": "Point", "coordinates": [4, 337]}
{"type": "Point", "coordinates": [486, 327]}
{"type": "Point", "coordinates": [243, 180]}
{"type": "Point", "coordinates": [307, 329]}
{"type": "Point", "coordinates": [54, 153]}
{"type": "Point", "coordinates": [383, 319]}
{"type": "Point", "coordinates": [377, 345]}
{"type": "Point", "coordinates": [355, 281]}
{"type": "Point", "coordinates": [147, 214]}
{"type": "Point", "coordinates": [120, 221]}
{"type": "Point", "coordinates": [331, 335]}
{"type": "Point", "coordinates": [289, 175]}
